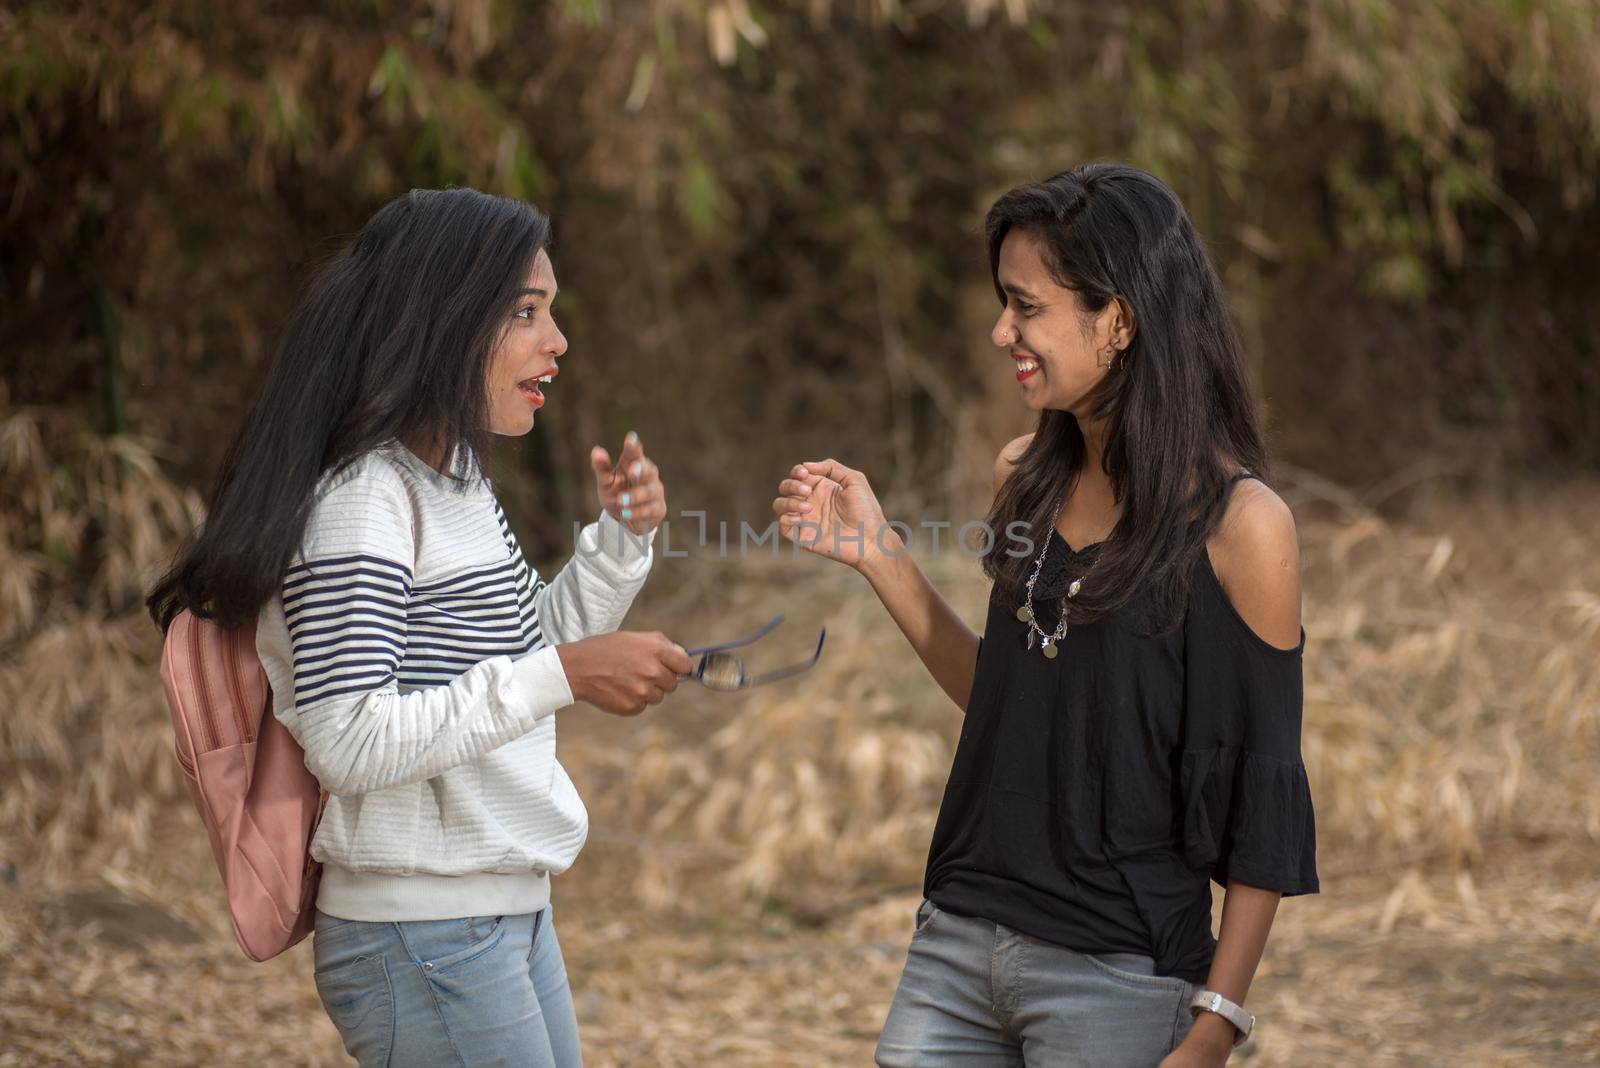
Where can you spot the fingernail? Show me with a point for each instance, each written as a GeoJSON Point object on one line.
{"type": "Point", "coordinates": [633, 437]}
{"type": "Point", "coordinates": [638, 465]}
{"type": "Point", "coordinates": [627, 513]}
{"type": "Point", "coordinates": [624, 500]}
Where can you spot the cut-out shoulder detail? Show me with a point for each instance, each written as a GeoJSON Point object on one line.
{"type": "Point", "coordinates": [1245, 630]}
{"type": "Point", "coordinates": [1007, 460]}
{"type": "Point", "coordinates": [1256, 559]}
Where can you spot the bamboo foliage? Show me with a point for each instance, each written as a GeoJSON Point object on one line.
{"type": "Point", "coordinates": [766, 168]}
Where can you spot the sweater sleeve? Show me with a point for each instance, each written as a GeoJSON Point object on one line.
{"type": "Point", "coordinates": [594, 591]}
{"type": "Point", "coordinates": [344, 604]}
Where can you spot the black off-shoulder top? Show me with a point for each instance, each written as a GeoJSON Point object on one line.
{"type": "Point", "coordinates": [1095, 796]}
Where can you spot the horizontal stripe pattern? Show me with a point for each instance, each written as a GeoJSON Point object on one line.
{"type": "Point", "coordinates": [361, 623]}
{"type": "Point", "coordinates": [347, 619]}
{"type": "Point", "coordinates": [528, 584]}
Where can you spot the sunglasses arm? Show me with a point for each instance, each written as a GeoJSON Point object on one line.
{"type": "Point", "coordinates": [783, 673]}
{"type": "Point", "coordinates": [757, 636]}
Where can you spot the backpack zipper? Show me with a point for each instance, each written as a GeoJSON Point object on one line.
{"type": "Point", "coordinates": [209, 727]}
{"type": "Point", "coordinates": [230, 656]}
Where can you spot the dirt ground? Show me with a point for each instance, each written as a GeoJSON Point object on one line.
{"type": "Point", "coordinates": [1383, 968]}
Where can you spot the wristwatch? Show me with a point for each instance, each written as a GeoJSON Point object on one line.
{"type": "Point", "coordinates": [1211, 1001]}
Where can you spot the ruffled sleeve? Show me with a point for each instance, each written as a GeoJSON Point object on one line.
{"type": "Point", "coordinates": [1247, 811]}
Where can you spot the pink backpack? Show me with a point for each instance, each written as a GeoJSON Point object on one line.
{"type": "Point", "coordinates": [249, 779]}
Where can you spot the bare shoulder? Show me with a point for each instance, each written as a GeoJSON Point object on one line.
{"type": "Point", "coordinates": [1256, 555]}
{"type": "Point", "coordinates": [1007, 460]}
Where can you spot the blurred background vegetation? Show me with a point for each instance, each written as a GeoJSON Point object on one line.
{"type": "Point", "coordinates": [768, 216]}
{"type": "Point", "coordinates": [768, 236]}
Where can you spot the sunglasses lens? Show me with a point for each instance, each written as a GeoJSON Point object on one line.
{"type": "Point", "coordinates": [722, 671]}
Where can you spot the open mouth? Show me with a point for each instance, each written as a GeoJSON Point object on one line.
{"type": "Point", "coordinates": [531, 389]}
{"type": "Point", "coordinates": [1027, 367]}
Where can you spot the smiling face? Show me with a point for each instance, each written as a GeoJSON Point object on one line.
{"type": "Point", "coordinates": [525, 356]}
{"type": "Point", "coordinates": [1060, 349]}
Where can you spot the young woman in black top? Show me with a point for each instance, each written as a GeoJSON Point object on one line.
{"type": "Point", "coordinates": [1133, 707]}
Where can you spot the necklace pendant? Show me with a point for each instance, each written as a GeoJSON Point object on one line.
{"type": "Point", "coordinates": [1025, 614]}
{"type": "Point", "coordinates": [1072, 590]}
{"type": "Point", "coordinates": [1032, 637]}
{"type": "Point", "coordinates": [1049, 650]}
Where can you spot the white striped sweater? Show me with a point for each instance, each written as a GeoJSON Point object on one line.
{"type": "Point", "coordinates": [411, 652]}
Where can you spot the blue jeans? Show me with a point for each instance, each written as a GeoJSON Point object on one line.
{"type": "Point", "coordinates": [478, 991]}
{"type": "Point", "coordinates": [976, 994]}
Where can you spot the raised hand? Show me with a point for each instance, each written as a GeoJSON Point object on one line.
{"type": "Point", "coordinates": [631, 490]}
{"type": "Point", "coordinates": [830, 509]}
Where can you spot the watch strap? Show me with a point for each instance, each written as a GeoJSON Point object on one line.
{"type": "Point", "coordinates": [1211, 1001]}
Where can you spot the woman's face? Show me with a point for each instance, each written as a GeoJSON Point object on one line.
{"type": "Point", "coordinates": [1060, 354]}
{"type": "Point", "coordinates": [525, 357]}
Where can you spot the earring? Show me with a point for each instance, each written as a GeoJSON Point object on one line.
{"type": "Point", "coordinates": [1111, 357]}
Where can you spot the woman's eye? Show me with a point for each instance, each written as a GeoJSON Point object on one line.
{"type": "Point", "coordinates": [1024, 308]}
{"type": "Point", "coordinates": [527, 313]}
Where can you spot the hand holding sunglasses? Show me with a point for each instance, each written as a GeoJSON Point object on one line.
{"type": "Point", "coordinates": [625, 672]}
{"type": "Point", "coordinates": [717, 667]}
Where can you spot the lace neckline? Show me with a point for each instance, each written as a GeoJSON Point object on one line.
{"type": "Point", "coordinates": [1087, 549]}
{"type": "Point", "coordinates": [1062, 564]}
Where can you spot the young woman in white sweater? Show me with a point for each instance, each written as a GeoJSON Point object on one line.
{"type": "Point", "coordinates": [412, 651]}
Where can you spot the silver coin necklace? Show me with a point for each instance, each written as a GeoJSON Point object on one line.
{"type": "Point", "coordinates": [1049, 642]}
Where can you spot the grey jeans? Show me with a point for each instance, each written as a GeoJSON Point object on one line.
{"type": "Point", "coordinates": [975, 994]}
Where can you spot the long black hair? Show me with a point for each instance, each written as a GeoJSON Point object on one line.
{"type": "Point", "coordinates": [1178, 416]}
{"type": "Point", "coordinates": [390, 340]}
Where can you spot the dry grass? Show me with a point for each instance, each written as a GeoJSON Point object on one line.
{"type": "Point", "coordinates": [747, 893]}
{"type": "Point", "coordinates": [1453, 698]}
{"type": "Point", "coordinates": [85, 745]}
